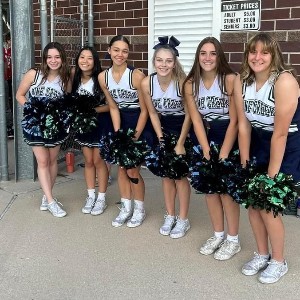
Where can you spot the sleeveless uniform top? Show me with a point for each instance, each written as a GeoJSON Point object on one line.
{"type": "Point", "coordinates": [213, 105]}
{"type": "Point", "coordinates": [123, 92]}
{"type": "Point", "coordinates": [49, 89]}
{"type": "Point", "coordinates": [86, 88]}
{"type": "Point", "coordinates": [167, 102]}
{"type": "Point", "coordinates": [259, 108]}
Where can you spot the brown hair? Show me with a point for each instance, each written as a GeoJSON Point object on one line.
{"type": "Point", "coordinates": [270, 45]}
{"type": "Point", "coordinates": [64, 71]}
{"type": "Point", "coordinates": [223, 67]}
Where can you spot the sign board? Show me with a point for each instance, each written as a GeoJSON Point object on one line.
{"type": "Point", "coordinates": [240, 15]}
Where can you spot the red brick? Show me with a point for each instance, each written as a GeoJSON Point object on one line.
{"type": "Point", "coordinates": [116, 23]}
{"type": "Point", "coordinates": [287, 24]}
{"type": "Point", "coordinates": [145, 22]}
{"type": "Point", "coordinates": [140, 48]}
{"type": "Point", "coordinates": [133, 5]}
{"type": "Point", "coordinates": [233, 47]}
{"type": "Point", "coordinates": [107, 15]}
{"type": "Point", "coordinates": [145, 4]}
{"type": "Point", "coordinates": [133, 22]}
{"type": "Point", "coordinates": [290, 46]}
{"type": "Point", "coordinates": [275, 14]}
{"type": "Point", "coordinates": [100, 8]}
{"type": "Point", "coordinates": [124, 14]}
{"type": "Point", "coordinates": [236, 57]}
{"type": "Point", "coordinates": [100, 24]}
{"type": "Point", "coordinates": [295, 13]}
{"type": "Point", "coordinates": [108, 31]}
{"type": "Point", "coordinates": [235, 66]}
{"type": "Point", "coordinates": [115, 6]}
{"type": "Point", "coordinates": [141, 31]}
{"type": "Point", "coordinates": [295, 58]}
{"type": "Point", "coordinates": [140, 13]}
{"type": "Point", "coordinates": [287, 3]}
{"type": "Point", "coordinates": [267, 4]}
{"type": "Point", "coordinates": [267, 25]}
{"type": "Point", "coordinates": [70, 10]}
{"type": "Point", "coordinates": [125, 31]}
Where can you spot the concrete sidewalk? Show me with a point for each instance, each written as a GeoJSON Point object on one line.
{"type": "Point", "coordinates": [84, 257]}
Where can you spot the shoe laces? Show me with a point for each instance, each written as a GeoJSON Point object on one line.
{"type": "Point", "coordinates": [89, 201]}
{"type": "Point", "coordinates": [123, 212]}
{"type": "Point", "coordinates": [99, 203]}
{"type": "Point", "coordinates": [169, 220]}
{"type": "Point", "coordinates": [137, 214]}
{"type": "Point", "coordinates": [55, 206]}
{"type": "Point", "coordinates": [256, 261]}
{"type": "Point", "coordinates": [274, 268]}
{"type": "Point", "coordinates": [180, 224]}
{"type": "Point", "coordinates": [227, 246]}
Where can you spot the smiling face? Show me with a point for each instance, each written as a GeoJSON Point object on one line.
{"type": "Point", "coordinates": [208, 58]}
{"type": "Point", "coordinates": [164, 62]}
{"type": "Point", "coordinates": [53, 59]}
{"type": "Point", "coordinates": [86, 61]}
{"type": "Point", "coordinates": [119, 52]}
{"type": "Point", "coordinates": [259, 59]}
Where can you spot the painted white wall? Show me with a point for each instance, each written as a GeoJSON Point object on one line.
{"type": "Point", "coordinates": [188, 20]}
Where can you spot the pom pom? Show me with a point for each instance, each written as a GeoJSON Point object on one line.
{"type": "Point", "coordinates": [123, 149]}
{"type": "Point", "coordinates": [271, 194]}
{"type": "Point", "coordinates": [45, 117]}
{"type": "Point", "coordinates": [162, 161]}
{"type": "Point", "coordinates": [206, 174]}
{"type": "Point", "coordinates": [239, 176]}
{"type": "Point", "coordinates": [82, 112]}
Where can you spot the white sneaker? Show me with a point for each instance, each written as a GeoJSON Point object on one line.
{"type": "Point", "coordinates": [211, 245]}
{"type": "Point", "coordinates": [180, 229]}
{"type": "Point", "coordinates": [99, 207]}
{"type": "Point", "coordinates": [168, 225]}
{"type": "Point", "coordinates": [89, 204]}
{"type": "Point", "coordinates": [274, 271]}
{"type": "Point", "coordinates": [137, 218]}
{"type": "Point", "coordinates": [124, 215]}
{"type": "Point", "coordinates": [254, 265]}
{"type": "Point", "coordinates": [227, 250]}
{"type": "Point", "coordinates": [44, 204]}
{"type": "Point", "coordinates": [56, 210]}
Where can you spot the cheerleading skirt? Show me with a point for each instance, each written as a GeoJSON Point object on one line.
{"type": "Point", "coordinates": [261, 145]}
{"type": "Point", "coordinates": [129, 119]}
{"type": "Point", "coordinates": [91, 139]}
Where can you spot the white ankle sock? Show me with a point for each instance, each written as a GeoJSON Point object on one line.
{"type": "Point", "coordinates": [233, 238]}
{"type": "Point", "coordinates": [91, 193]}
{"type": "Point", "coordinates": [139, 204]}
{"type": "Point", "coordinates": [101, 196]}
{"type": "Point", "coordinates": [219, 234]}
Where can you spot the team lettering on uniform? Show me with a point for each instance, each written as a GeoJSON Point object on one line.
{"type": "Point", "coordinates": [123, 94]}
{"type": "Point", "coordinates": [45, 92]}
{"type": "Point", "coordinates": [167, 103]}
{"type": "Point", "coordinates": [212, 102]}
{"type": "Point", "coordinates": [257, 107]}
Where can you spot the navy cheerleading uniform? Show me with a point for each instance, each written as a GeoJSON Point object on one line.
{"type": "Point", "coordinates": [45, 98]}
{"type": "Point", "coordinates": [259, 108]}
{"type": "Point", "coordinates": [213, 105]}
{"type": "Point", "coordinates": [168, 104]}
{"type": "Point", "coordinates": [91, 138]}
{"type": "Point", "coordinates": [126, 98]}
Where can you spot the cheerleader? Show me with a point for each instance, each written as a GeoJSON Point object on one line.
{"type": "Point", "coordinates": [121, 86]}
{"type": "Point", "coordinates": [266, 95]}
{"type": "Point", "coordinates": [162, 93]}
{"type": "Point", "coordinates": [45, 87]}
{"type": "Point", "coordinates": [208, 89]}
{"type": "Point", "coordinates": [91, 100]}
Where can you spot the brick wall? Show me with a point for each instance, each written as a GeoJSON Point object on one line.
{"type": "Point", "coordinates": [111, 17]}
{"type": "Point", "coordinates": [281, 18]}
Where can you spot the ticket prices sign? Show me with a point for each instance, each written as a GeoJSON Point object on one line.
{"type": "Point", "coordinates": [240, 15]}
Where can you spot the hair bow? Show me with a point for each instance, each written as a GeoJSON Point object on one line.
{"type": "Point", "coordinates": [171, 42]}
